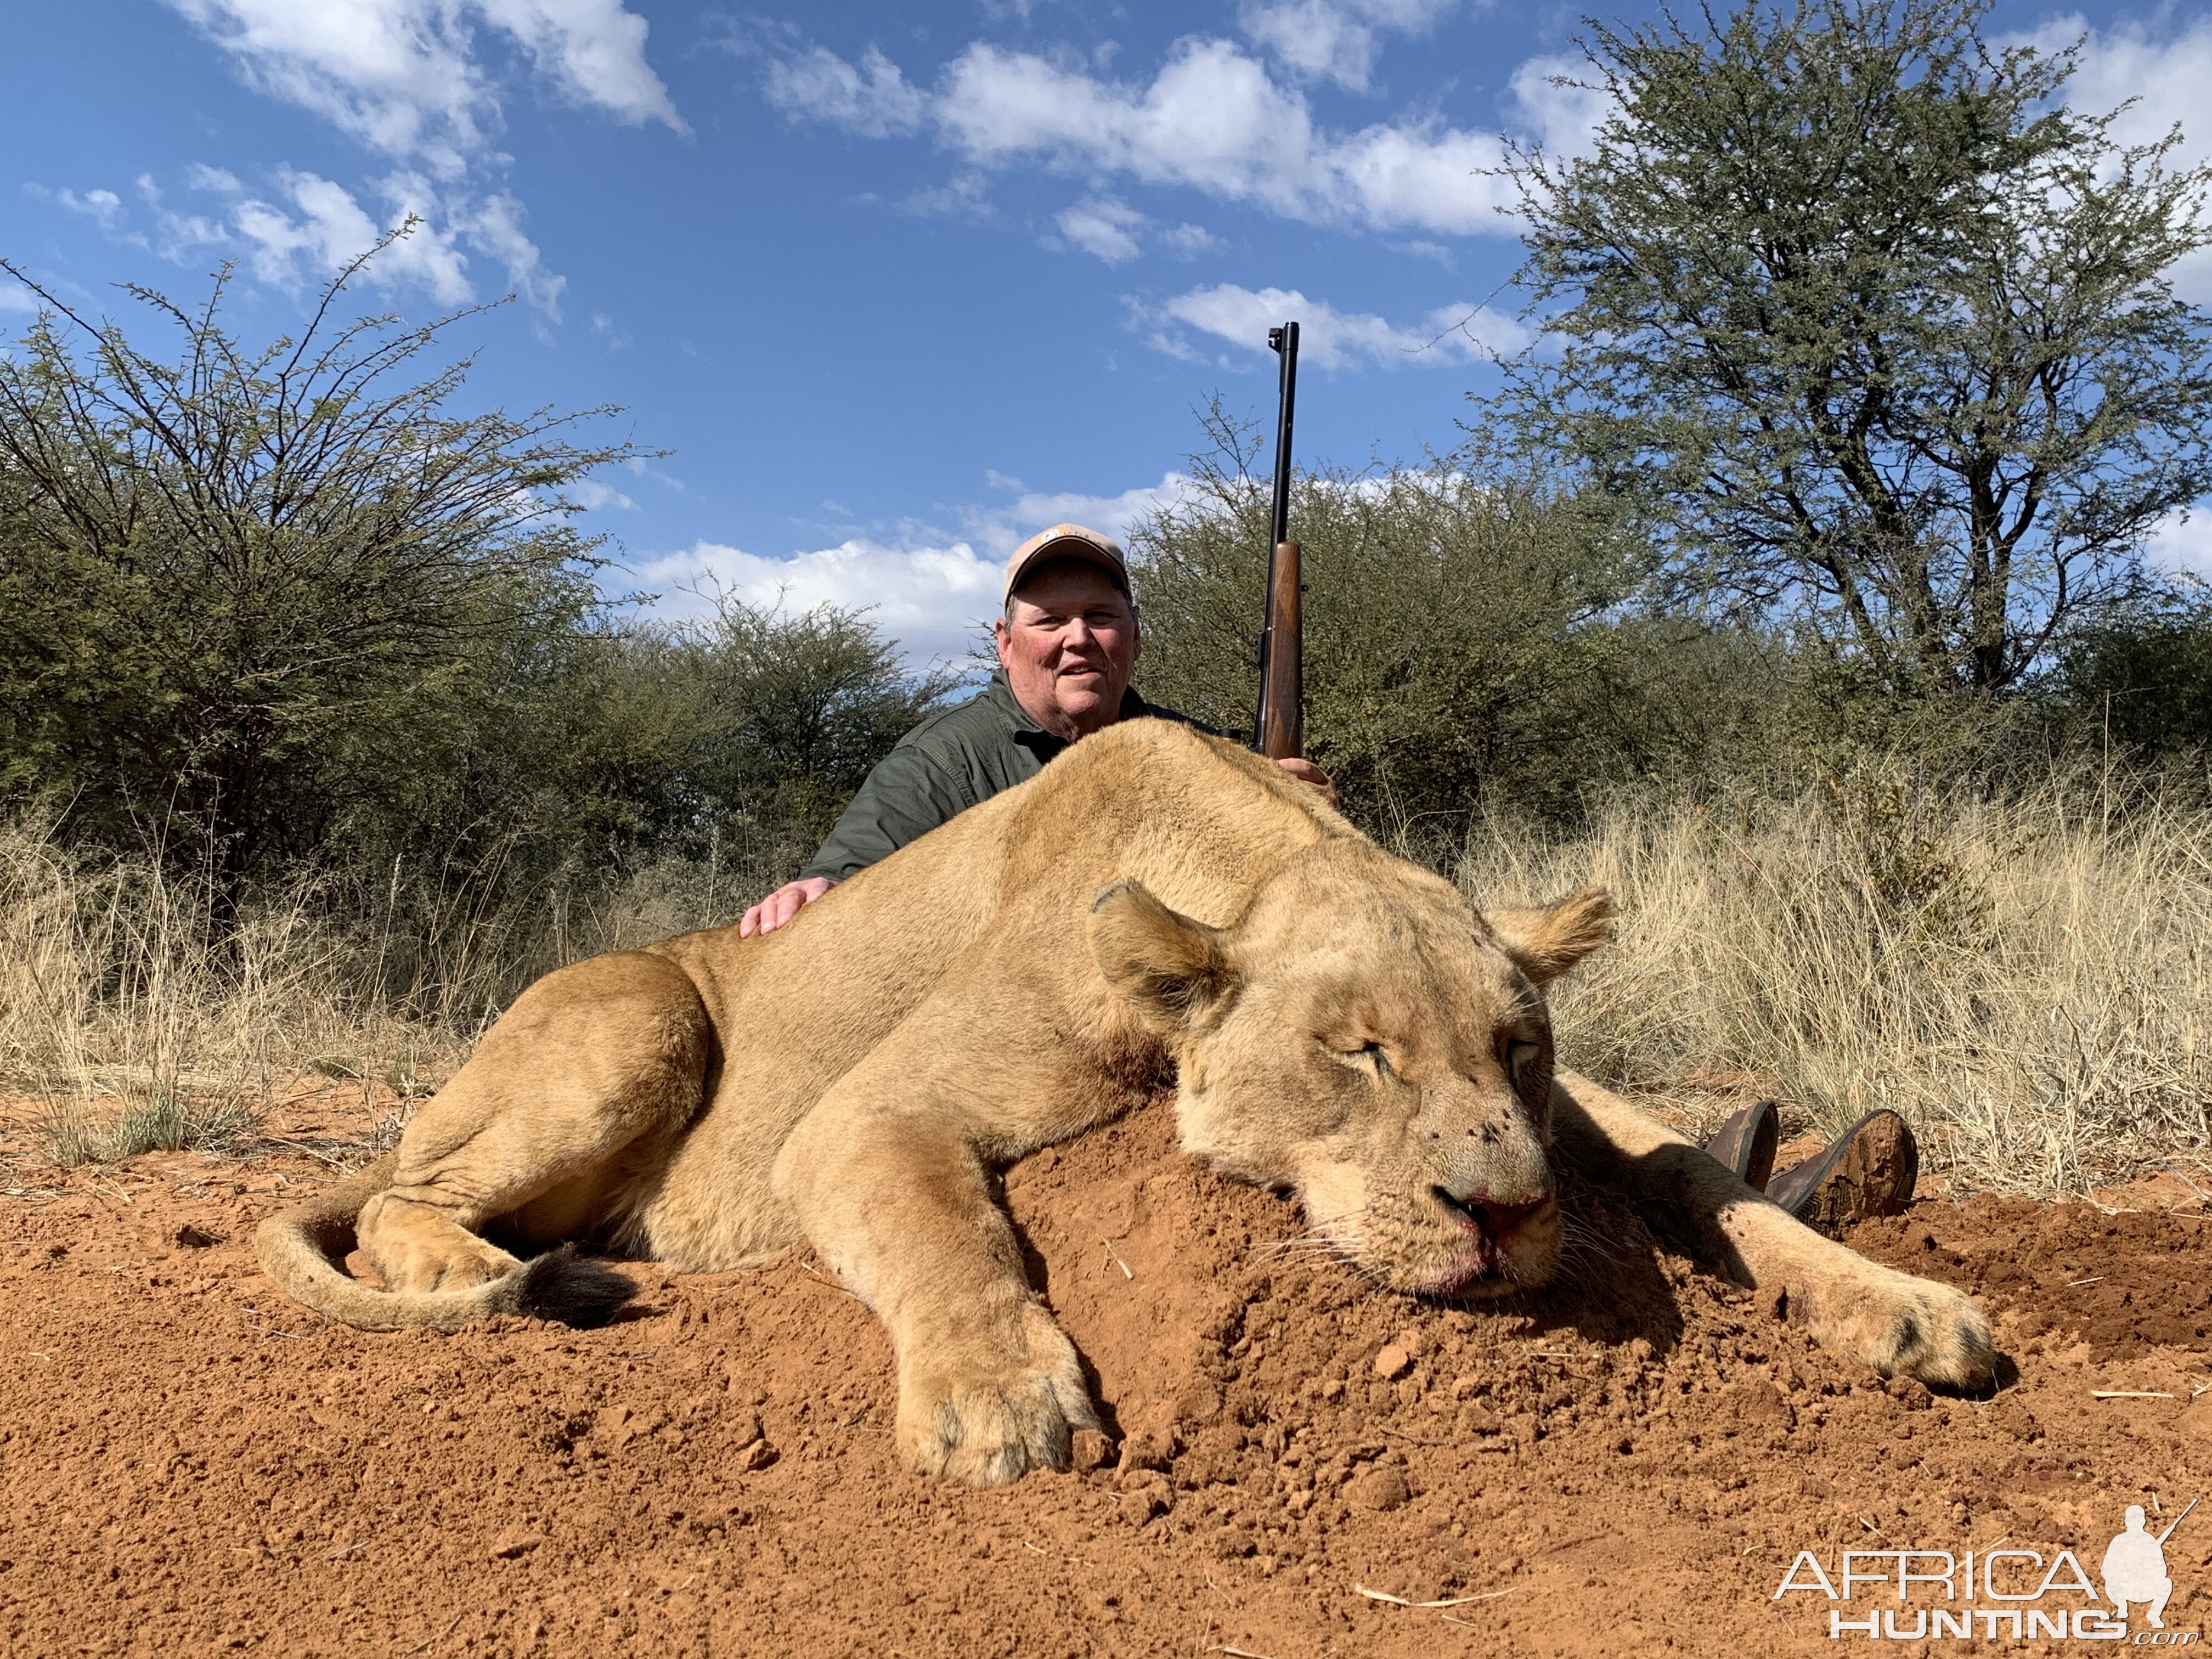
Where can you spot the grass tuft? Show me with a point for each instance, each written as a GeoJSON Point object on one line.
{"type": "Point", "coordinates": [136, 1022]}
{"type": "Point", "coordinates": [2027, 979]}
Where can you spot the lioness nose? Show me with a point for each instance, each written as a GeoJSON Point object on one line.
{"type": "Point", "coordinates": [1494, 1220]}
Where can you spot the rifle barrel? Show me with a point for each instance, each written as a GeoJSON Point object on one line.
{"type": "Point", "coordinates": [1285, 340]}
{"type": "Point", "coordinates": [1280, 716]}
{"type": "Point", "coordinates": [2177, 1521]}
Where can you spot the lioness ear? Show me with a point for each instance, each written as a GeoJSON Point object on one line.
{"type": "Point", "coordinates": [1544, 944]}
{"type": "Point", "coordinates": [1171, 966]}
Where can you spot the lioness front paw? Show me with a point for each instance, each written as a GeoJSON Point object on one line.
{"type": "Point", "coordinates": [984, 1424]}
{"type": "Point", "coordinates": [1900, 1326]}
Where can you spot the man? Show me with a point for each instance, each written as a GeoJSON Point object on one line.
{"type": "Point", "coordinates": [1068, 643]}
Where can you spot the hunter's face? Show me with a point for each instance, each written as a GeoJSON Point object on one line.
{"type": "Point", "coordinates": [1069, 645]}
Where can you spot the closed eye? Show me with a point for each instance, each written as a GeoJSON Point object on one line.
{"type": "Point", "coordinates": [1368, 1057]}
{"type": "Point", "coordinates": [1521, 1053]}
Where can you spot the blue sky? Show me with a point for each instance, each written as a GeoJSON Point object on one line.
{"type": "Point", "coordinates": [895, 285]}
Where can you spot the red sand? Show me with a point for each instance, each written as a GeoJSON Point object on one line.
{"type": "Point", "coordinates": [1628, 1463]}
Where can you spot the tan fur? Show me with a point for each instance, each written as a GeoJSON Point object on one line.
{"type": "Point", "coordinates": [1157, 906]}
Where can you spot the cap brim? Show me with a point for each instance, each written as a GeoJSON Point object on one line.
{"type": "Point", "coordinates": [1067, 542]}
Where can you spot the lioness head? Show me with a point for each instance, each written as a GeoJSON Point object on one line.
{"type": "Point", "coordinates": [1362, 1036]}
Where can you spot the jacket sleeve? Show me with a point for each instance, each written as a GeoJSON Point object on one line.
{"type": "Point", "coordinates": [906, 796]}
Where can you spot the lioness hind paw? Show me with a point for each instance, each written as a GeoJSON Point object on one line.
{"type": "Point", "coordinates": [574, 1290]}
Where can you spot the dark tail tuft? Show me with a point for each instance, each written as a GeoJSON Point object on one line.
{"type": "Point", "coordinates": [575, 1290]}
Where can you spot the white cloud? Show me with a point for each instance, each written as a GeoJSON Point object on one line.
{"type": "Point", "coordinates": [594, 49]}
{"type": "Point", "coordinates": [1561, 110]}
{"type": "Point", "coordinates": [494, 227]}
{"type": "Point", "coordinates": [2181, 545]}
{"type": "Point", "coordinates": [931, 599]}
{"type": "Point", "coordinates": [593, 496]}
{"type": "Point", "coordinates": [1111, 229]}
{"type": "Point", "coordinates": [1104, 227]}
{"type": "Point", "coordinates": [962, 198]}
{"type": "Point", "coordinates": [1333, 39]}
{"type": "Point", "coordinates": [873, 100]}
{"type": "Point", "coordinates": [1001, 530]}
{"type": "Point", "coordinates": [645, 469]}
{"type": "Point", "coordinates": [15, 297]}
{"type": "Point", "coordinates": [179, 236]}
{"type": "Point", "coordinates": [175, 235]}
{"type": "Point", "coordinates": [309, 227]}
{"type": "Point", "coordinates": [2165, 71]}
{"type": "Point", "coordinates": [321, 228]}
{"type": "Point", "coordinates": [1187, 240]}
{"type": "Point", "coordinates": [1333, 339]}
{"type": "Point", "coordinates": [1211, 119]}
{"type": "Point", "coordinates": [934, 595]}
{"type": "Point", "coordinates": [400, 75]}
{"type": "Point", "coordinates": [1314, 38]}
{"type": "Point", "coordinates": [101, 206]}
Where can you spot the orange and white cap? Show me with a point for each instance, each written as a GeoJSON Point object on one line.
{"type": "Point", "coordinates": [1067, 541]}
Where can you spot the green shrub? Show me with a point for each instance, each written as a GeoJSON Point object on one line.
{"type": "Point", "coordinates": [1471, 646]}
{"type": "Point", "coordinates": [2146, 683]}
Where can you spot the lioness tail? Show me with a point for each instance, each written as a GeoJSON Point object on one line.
{"type": "Point", "coordinates": [301, 1249]}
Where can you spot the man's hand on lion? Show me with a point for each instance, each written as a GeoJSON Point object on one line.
{"type": "Point", "coordinates": [1311, 775]}
{"type": "Point", "coordinates": [780, 906]}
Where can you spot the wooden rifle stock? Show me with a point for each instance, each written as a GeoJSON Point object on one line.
{"type": "Point", "coordinates": [1280, 722]}
{"type": "Point", "coordinates": [1282, 677]}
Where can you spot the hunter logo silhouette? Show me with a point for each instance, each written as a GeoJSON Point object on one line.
{"type": "Point", "coordinates": [2135, 1567]}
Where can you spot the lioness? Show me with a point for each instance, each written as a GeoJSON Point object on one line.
{"type": "Point", "coordinates": [1155, 906]}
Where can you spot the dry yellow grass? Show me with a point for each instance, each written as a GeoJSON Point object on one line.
{"type": "Point", "coordinates": [136, 1024]}
{"type": "Point", "coordinates": [2024, 979]}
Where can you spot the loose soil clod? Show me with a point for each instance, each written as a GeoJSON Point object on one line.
{"type": "Point", "coordinates": [1627, 1461]}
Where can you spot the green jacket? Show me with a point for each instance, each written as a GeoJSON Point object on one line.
{"type": "Point", "coordinates": [952, 761]}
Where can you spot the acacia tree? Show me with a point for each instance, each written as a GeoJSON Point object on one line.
{"type": "Point", "coordinates": [230, 581]}
{"type": "Point", "coordinates": [1880, 332]}
{"type": "Point", "coordinates": [798, 707]}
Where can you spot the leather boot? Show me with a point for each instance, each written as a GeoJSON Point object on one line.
{"type": "Point", "coordinates": [1745, 1141]}
{"type": "Point", "coordinates": [1869, 1169]}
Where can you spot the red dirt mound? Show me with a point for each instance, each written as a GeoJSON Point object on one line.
{"type": "Point", "coordinates": [1627, 1463]}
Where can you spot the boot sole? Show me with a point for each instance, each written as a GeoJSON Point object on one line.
{"type": "Point", "coordinates": [1870, 1170]}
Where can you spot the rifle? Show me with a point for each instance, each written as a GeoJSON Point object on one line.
{"type": "Point", "coordinates": [1280, 723]}
{"type": "Point", "coordinates": [2178, 1520]}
